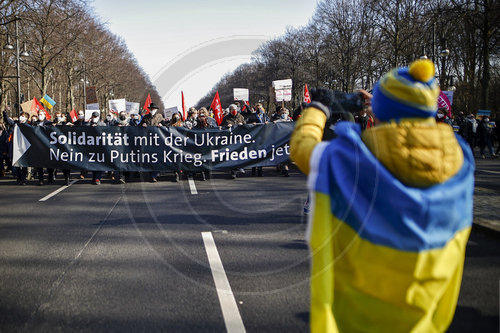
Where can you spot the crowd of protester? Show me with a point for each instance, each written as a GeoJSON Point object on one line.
{"type": "Point", "coordinates": [236, 114]}
{"type": "Point", "coordinates": [479, 132]}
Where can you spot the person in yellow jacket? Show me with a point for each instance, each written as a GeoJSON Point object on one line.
{"type": "Point", "coordinates": [391, 210]}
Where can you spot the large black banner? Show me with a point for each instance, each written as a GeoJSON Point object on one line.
{"type": "Point", "coordinates": [151, 148]}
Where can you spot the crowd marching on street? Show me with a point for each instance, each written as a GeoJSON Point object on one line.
{"type": "Point", "coordinates": [483, 133]}
{"type": "Point", "coordinates": [235, 115]}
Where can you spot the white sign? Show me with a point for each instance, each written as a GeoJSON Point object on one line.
{"type": "Point", "coordinates": [132, 107]}
{"type": "Point", "coordinates": [282, 84]}
{"type": "Point", "coordinates": [240, 94]}
{"type": "Point", "coordinates": [283, 90]}
{"type": "Point", "coordinates": [169, 112]}
{"type": "Point", "coordinates": [93, 106]}
{"type": "Point", "coordinates": [118, 105]}
{"type": "Point", "coordinates": [88, 114]}
{"type": "Point", "coordinates": [449, 94]}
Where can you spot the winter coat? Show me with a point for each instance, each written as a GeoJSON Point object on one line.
{"type": "Point", "coordinates": [233, 120]}
{"type": "Point", "coordinates": [391, 215]}
{"type": "Point", "coordinates": [483, 133]}
{"type": "Point", "coordinates": [151, 120]}
{"type": "Point", "coordinates": [258, 118]}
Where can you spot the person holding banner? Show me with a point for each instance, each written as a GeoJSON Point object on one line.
{"type": "Point", "coordinates": [60, 120]}
{"type": "Point", "coordinates": [391, 209]}
{"type": "Point", "coordinates": [190, 121]}
{"type": "Point", "coordinates": [153, 118]}
{"type": "Point", "coordinates": [234, 118]}
{"type": "Point", "coordinates": [42, 121]}
{"type": "Point", "coordinates": [21, 172]}
{"type": "Point", "coordinates": [95, 120]}
{"type": "Point", "coordinates": [212, 123]}
{"type": "Point", "coordinates": [284, 117]}
{"type": "Point", "coordinates": [259, 116]}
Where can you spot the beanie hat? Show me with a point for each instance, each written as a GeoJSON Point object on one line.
{"type": "Point", "coordinates": [408, 92]}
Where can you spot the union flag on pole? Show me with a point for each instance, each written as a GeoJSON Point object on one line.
{"type": "Point", "coordinates": [73, 115]}
{"type": "Point", "coordinates": [217, 107]}
{"type": "Point", "coordinates": [147, 103]}
{"type": "Point", "coordinates": [307, 97]}
{"type": "Point", "coordinates": [183, 106]}
{"type": "Point", "coordinates": [37, 106]}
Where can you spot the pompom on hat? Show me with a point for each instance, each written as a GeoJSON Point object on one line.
{"type": "Point", "coordinates": [408, 92]}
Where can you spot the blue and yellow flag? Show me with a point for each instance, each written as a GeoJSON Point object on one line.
{"type": "Point", "coordinates": [48, 102]}
{"type": "Point", "coordinates": [385, 256]}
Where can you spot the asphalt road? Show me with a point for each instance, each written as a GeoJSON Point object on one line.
{"type": "Point", "coordinates": [138, 258]}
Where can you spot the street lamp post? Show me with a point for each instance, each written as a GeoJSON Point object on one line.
{"type": "Point", "coordinates": [9, 46]}
{"type": "Point", "coordinates": [85, 82]}
{"type": "Point", "coordinates": [444, 53]}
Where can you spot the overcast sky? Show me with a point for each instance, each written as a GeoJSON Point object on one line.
{"type": "Point", "coordinates": [161, 34]}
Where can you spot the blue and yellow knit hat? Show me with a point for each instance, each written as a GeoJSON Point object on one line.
{"type": "Point", "coordinates": [409, 92]}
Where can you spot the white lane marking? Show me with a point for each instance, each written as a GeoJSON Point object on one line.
{"type": "Point", "coordinates": [230, 312]}
{"type": "Point", "coordinates": [62, 188]}
{"type": "Point", "coordinates": [488, 171]}
{"type": "Point", "coordinates": [192, 186]}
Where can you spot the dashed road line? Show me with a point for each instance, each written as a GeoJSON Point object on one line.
{"type": "Point", "coordinates": [230, 311]}
{"type": "Point", "coordinates": [192, 186]}
{"type": "Point", "coordinates": [62, 188]}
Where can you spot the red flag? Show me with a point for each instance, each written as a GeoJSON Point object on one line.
{"type": "Point", "coordinates": [147, 103]}
{"type": "Point", "coordinates": [307, 97]}
{"type": "Point", "coordinates": [217, 107]}
{"type": "Point", "coordinates": [183, 106]}
{"type": "Point", "coordinates": [37, 106]}
{"type": "Point", "coordinates": [73, 115]}
{"type": "Point", "coordinates": [444, 102]}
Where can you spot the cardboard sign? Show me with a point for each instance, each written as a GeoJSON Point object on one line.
{"type": "Point", "coordinates": [93, 106]}
{"type": "Point", "coordinates": [118, 105]}
{"type": "Point", "coordinates": [132, 107]}
{"type": "Point", "coordinates": [240, 94]}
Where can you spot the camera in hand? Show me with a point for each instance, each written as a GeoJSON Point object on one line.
{"type": "Point", "coordinates": [345, 102]}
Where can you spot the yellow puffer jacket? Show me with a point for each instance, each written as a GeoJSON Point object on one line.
{"type": "Point", "coordinates": [419, 152]}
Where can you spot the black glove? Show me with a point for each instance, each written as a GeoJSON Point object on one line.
{"type": "Point", "coordinates": [323, 99]}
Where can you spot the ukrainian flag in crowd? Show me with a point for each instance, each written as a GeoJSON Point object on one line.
{"type": "Point", "coordinates": [48, 102]}
{"type": "Point", "coordinates": [384, 254]}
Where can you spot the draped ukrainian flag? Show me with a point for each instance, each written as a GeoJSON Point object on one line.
{"type": "Point", "coordinates": [384, 255]}
{"type": "Point", "coordinates": [48, 102]}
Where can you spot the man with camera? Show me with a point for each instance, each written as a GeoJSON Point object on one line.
{"type": "Point", "coordinates": [391, 209]}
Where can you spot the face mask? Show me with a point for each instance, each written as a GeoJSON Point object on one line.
{"type": "Point", "coordinates": [234, 112]}
{"type": "Point", "coordinates": [153, 112]}
{"type": "Point", "coordinates": [95, 120]}
{"type": "Point", "coordinates": [440, 115]}
{"type": "Point", "coordinates": [109, 117]}
{"type": "Point", "coordinates": [41, 116]}
{"type": "Point", "coordinates": [81, 116]}
{"type": "Point", "coordinates": [175, 119]}
{"type": "Point", "coordinates": [486, 120]}
{"type": "Point", "coordinates": [122, 118]}
{"type": "Point", "coordinates": [60, 119]}
{"type": "Point", "coordinates": [284, 116]}
{"type": "Point", "coordinates": [136, 116]}
{"type": "Point", "coordinates": [34, 119]}
{"type": "Point", "coordinates": [22, 119]}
